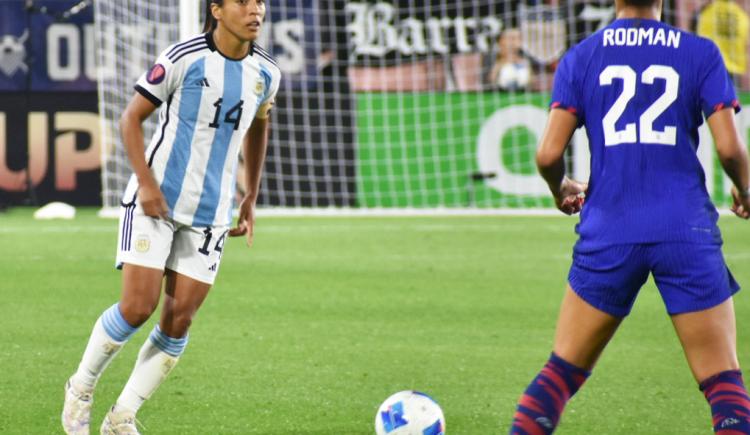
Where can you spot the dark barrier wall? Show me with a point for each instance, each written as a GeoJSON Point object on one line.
{"type": "Point", "coordinates": [311, 154]}
{"type": "Point", "coordinates": [50, 141]}
{"type": "Point", "coordinates": [49, 127]}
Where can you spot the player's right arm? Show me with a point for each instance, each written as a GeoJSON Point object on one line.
{"type": "Point", "coordinates": [733, 157]}
{"type": "Point", "coordinates": [152, 89]}
{"type": "Point", "coordinates": [550, 159]}
{"type": "Point", "coordinates": [131, 130]}
{"type": "Point", "coordinates": [564, 118]}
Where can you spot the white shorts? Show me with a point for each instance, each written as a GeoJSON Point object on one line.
{"type": "Point", "coordinates": [165, 244]}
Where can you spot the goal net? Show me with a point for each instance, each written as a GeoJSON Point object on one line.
{"type": "Point", "coordinates": [393, 104]}
{"type": "Point", "coordinates": [130, 34]}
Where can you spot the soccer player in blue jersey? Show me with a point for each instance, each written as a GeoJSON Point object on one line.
{"type": "Point", "coordinates": [214, 91]}
{"type": "Point", "coordinates": [641, 89]}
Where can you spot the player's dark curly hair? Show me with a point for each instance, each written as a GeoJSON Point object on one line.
{"type": "Point", "coordinates": [210, 23]}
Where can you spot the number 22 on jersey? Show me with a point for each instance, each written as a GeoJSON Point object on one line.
{"type": "Point", "coordinates": [648, 135]}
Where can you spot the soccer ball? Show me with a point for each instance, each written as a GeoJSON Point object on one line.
{"type": "Point", "coordinates": [409, 413]}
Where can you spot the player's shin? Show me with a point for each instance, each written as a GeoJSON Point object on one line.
{"type": "Point", "coordinates": [730, 405]}
{"type": "Point", "coordinates": [109, 334]}
{"type": "Point", "coordinates": [540, 406]}
{"type": "Point", "coordinates": [157, 358]}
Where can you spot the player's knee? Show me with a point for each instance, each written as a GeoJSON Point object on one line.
{"type": "Point", "coordinates": [178, 325]}
{"type": "Point", "coordinates": [136, 313]}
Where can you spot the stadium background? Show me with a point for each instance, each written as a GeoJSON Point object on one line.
{"type": "Point", "coordinates": [308, 331]}
{"type": "Point", "coordinates": [363, 119]}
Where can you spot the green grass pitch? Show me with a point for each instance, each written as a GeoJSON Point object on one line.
{"type": "Point", "coordinates": [308, 331]}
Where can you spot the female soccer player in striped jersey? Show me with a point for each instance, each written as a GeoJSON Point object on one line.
{"type": "Point", "coordinates": [215, 92]}
{"type": "Point", "coordinates": [641, 88]}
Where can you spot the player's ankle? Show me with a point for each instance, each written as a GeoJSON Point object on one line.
{"type": "Point", "coordinates": [81, 385]}
{"type": "Point", "coordinates": [119, 408]}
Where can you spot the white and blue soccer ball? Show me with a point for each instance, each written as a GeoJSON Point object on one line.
{"type": "Point", "coordinates": [409, 413]}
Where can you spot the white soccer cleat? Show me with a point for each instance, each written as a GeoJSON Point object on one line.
{"type": "Point", "coordinates": [76, 411]}
{"type": "Point", "coordinates": [119, 423]}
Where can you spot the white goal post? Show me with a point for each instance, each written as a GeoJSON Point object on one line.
{"type": "Point", "coordinates": [190, 18]}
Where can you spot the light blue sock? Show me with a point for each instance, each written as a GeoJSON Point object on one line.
{"type": "Point", "coordinates": [110, 332]}
{"type": "Point", "coordinates": [116, 325]}
{"type": "Point", "coordinates": [169, 345]}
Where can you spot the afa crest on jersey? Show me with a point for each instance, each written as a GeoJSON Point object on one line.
{"type": "Point", "coordinates": [259, 85]}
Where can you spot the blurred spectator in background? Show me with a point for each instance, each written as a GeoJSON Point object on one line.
{"type": "Point", "coordinates": [728, 25]}
{"type": "Point", "coordinates": [511, 70]}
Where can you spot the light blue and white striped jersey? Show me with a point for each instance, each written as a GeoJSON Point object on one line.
{"type": "Point", "coordinates": [211, 102]}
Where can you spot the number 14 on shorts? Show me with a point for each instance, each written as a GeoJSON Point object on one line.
{"type": "Point", "coordinates": [207, 237]}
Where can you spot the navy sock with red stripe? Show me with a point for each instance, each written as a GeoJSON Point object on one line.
{"type": "Point", "coordinates": [543, 401]}
{"type": "Point", "coordinates": [729, 402]}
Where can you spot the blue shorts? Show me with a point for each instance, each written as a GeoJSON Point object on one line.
{"type": "Point", "coordinates": [690, 277]}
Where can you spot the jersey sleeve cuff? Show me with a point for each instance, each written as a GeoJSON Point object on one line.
{"type": "Point", "coordinates": [148, 95]}
{"type": "Point", "coordinates": [559, 105]}
{"type": "Point", "coordinates": [734, 104]}
{"type": "Point", "coordinates": [568, 108]}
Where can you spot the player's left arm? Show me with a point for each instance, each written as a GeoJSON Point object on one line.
{"type": "Point", "coordinates": [550, 159]}
{"type": "Point", "coordinates": [733, 157]}
{"type": "Point", "coordinates": [254, 146]}
{"type": "Point", "coordinates": [719, 104]}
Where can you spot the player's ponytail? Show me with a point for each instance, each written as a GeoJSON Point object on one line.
{"type": "Point", "coordinates": [210, 22]}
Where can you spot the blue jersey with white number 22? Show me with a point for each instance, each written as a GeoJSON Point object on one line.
{"type": "Point", "coordinates": [641, 89]}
